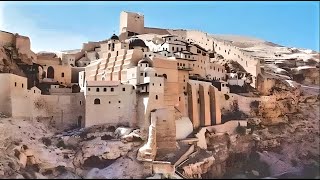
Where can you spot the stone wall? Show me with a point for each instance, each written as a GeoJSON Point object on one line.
{"type": "Point", "coordinates": [117, 106]}
{"type": "Point", "coordinates": [62, 111]}
{"type": "Point", "coordinates": [6, 38]}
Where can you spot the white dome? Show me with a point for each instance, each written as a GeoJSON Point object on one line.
{"type": "Point", "coordinates": [149, 69]}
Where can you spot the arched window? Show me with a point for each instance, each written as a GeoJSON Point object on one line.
{"type": "Point", "coordinates": [156, 96]}
{"type": "Point", "coordinates": [165, 76]}
{"type": "Point", "coordinates": [50, 73]}
{"type": "Point", "coordinates": [97, 101]}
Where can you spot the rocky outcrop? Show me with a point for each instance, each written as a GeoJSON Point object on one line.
{"type": "Point", "coordinates": [100, 150]}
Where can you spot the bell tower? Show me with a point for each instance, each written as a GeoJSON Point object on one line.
{"type": "Point", "coordinates": [131, 22]}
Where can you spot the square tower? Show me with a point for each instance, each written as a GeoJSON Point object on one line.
{"type": "Point", "coordinates": [132, 22]}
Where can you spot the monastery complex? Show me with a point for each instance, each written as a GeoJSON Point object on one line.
{"type": "Point", "coordinates": [171, 83]}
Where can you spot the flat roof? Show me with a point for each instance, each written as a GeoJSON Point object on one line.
{"type": "Point", "coordinates": [6, 32]}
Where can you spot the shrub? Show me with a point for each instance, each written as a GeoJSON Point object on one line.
{"type": "Point", "coordinates": [254, 104]}
{"type": "Point", "coordinates": [46, 141]}
{"type": "Point", "coordinates": [226, 96]}
{"type": "Point", "coordinates": [61, 144]}
{"type": "Point", "coordinates": [241, 129]}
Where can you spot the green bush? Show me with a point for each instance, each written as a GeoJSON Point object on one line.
{"type": "Point", "coordinates": [241, 129]}
{"type": "Point", "coordinates": [226, 96]}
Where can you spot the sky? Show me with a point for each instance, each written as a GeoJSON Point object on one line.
{"type": "Point", "coordinates": [55, 26]}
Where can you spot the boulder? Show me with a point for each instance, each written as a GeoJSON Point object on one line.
{"type": "Point", "coordinates": [135, 135]}
{"type": "Point", "coordinates": [122, 131]}
{"type": "Point", "coordinates": [255, 173]}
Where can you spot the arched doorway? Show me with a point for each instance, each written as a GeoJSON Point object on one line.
{"type": "Point", "coordinates": [79, 121]}
{"type": "Point", "coordinates": [50, 73]}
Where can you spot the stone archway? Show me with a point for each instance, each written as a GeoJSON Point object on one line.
{"type": "Point", "coordinates": [50, 72]}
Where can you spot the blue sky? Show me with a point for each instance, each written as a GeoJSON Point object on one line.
{"type": "Point", "coordinates": [54, 26]}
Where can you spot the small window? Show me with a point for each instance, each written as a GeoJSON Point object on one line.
{"type": "Point", "coordinates": [112, 89]}
{"type": "Point", "coordinates": [119, 101]}
{"type": "Point", "coordinates": [98, 89]}
{"type": "Point", "coordinates": [152, 84]}
{"type": "Point", "coordinates": [22, 85]}
{"type": "Point", "coordinates": [179, 98]}
{"type": "Point", "coordinates": [222, 85]}
{"type": "Point", "coordinates": [34, 91]}
{"type": "Point", "coordinates": [160, 84]}
{"type": "Point", "coordinates": [169, 39]}
{"type": "Point", "coordinates": [156, 96]}
{"type": "Point", "coordinates": [172, 48]}
{"type": "Point", "coordinates": [145, 74]}
{"type": "Point", "coordinates": [62, 74]}
{"type": "Point", "coordinates": [15, 84]}
{"type": "Point", "coordinates": [141, 74]}
{"type": "Point", "coordinates": [123, 89]}
{"type": "Point", "coordinates": [156, 74]}
{"type": "Point", "coordinates": [105, 89]}
{"type": "Point", "coordinates": [109, 102]}
{"type": "Point", "coordinates": [80, 102]}
{"type": "Point", "coordinates": [97, 101]}
{"type": "Point", "coordinates": [88, 89]}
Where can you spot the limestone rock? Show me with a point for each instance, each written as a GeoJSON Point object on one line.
{"type": "Point", "coordinates": [122, 131]}
{"type": "Point", "coordinates": [254, 121]}
{"type": "Point", "coordinates": [156, 176]}
{"type": "Point", "coordinates": [103, 149]}
{"type": "Point", "coordinates": [256, 173]}
{"type": "Point", "coordinates": [135, 135]}
{"type": "Point", "coordinates": [19, 176]}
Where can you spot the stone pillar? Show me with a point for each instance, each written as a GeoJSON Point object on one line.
{"type": "Point", "coordinates": [193, 106]}
{"type": "Point", "coordinates": [215, 110]}
{"type": "Point", "coordinates": [166, 129]}
{"type": "Point", "coordinates": [205, 112]}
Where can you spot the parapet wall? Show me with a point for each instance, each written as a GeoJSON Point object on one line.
{"type": "Point", "coordinates": [6, 38]}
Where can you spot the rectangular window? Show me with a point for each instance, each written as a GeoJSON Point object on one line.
{"type": "Point", "coordinates": [97, 89]}
{"type": "Point", "coordinates": [88, 89]}
{"type": "Point", "coordinates": [62, 74]}
{"type": "Point", "coordinates": [112, 89]}
{"type": "Point", "coordinates": [123, 89]}
{"type": "Point", "coordinates": [141, 74]}
{"type": "Point", "coordinates": [105, 89]}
